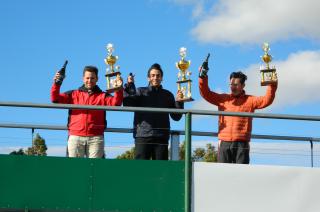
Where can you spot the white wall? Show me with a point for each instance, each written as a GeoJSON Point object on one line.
{"type": "Point", "coordinates": [249, 188]}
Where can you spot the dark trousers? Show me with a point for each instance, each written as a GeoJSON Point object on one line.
{"type": "Point", "coordinates": [152, 148]}
{"type": "Point", "coordinates": [234, 152]}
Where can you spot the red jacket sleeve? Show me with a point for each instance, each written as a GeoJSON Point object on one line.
{"type": "Point", "coordinates": [57, 97]}
{"type": "Point", "coordinates": [115, 100]}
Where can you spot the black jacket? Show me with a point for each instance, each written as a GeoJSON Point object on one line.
{"type": "Point", "coordinates": [151, 124]}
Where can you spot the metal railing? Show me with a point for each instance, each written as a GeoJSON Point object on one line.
{"type": "Point", "coordinates": [174, 135]}
{"type": "Point", "coordinates": [188, 128]}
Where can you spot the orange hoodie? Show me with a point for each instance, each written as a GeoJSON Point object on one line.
{"type": "Point", "coordinates": [235, 128]}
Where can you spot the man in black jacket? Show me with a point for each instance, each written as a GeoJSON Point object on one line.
{"type": "Point", "coordinates": [151, 130]}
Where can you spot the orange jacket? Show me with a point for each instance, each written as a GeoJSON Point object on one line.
{"type": "Point", "coordinates": [235, 128]}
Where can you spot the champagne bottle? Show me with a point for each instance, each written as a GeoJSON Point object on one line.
{"type": "Point", "coordinates": [62, 73]}
{"type": "Point", "coordinates": [204, 68]}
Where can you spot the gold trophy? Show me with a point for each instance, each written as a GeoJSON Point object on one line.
{"type": "Point", "coordinates": [184, 82]}
{"type": "Point", "coordinates": [112, 72]}
{"type": "Point", "coordinates": [268, 75]}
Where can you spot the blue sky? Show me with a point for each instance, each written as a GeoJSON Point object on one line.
{"type": "Point", "coordinates": [37, 36]}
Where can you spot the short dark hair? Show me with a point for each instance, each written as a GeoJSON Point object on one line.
{"type": "Point", "coordinates": [91, 69]}
{"type": "Point", "coordinates": [239, 75]}
{"type": "Point", "coordinates": [157, 67]}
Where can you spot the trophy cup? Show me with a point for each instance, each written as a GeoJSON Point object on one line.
{"type": "Point", "coordinates": [268, 75]}
{"type": "Point", "coordinates": [184, 82]}
{"type": "Point", "coordinates": [112, 72]}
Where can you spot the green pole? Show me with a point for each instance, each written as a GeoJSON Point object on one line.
{"type": "Point", "coordinates": [188, 163]}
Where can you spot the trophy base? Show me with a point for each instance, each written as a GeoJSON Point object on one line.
{"type": "Point", "coordinates": [111, 90]}
{"type": "Point", "coordinates": [268, 77]}
{"type": "Point", "coordinates": [268, 70]}
{"type": "Point", "coordinates": [184, 81]}
{"type": "Point", "coordinates": [111, 74]}
{"type": "Point", "coordinates": [264, 83]}
{"type": "Point", "coordinates": [186, 100]}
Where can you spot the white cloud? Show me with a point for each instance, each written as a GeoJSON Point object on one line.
{"type": "Point", "coordinates": [8, 149]}
{"type": "Point", "coordinates": [114, 151]}
{"type": "Point", "coordinates": [252, 21]}
{"type": "Point", "coordinates": [202, 104]}
{"type": "Point", "coordinates": [298, 76]}
{"type": "Point", "coordinates": [52, 150]}
{"type": "Point", "coordinates": [267, 146]}
{"type": "Point", "coordinates": [57, 151]}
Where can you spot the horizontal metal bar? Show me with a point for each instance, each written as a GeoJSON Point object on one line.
{"type": "Point", "coordinates": [177, 132]}
{"type": "Point", "coordinates": [57, 127]}
{"type": "Point", "coordinates": [33, 126]}
{"type": "Point", "coordinates": [257, 115]}
{"type": "Point", "coordinates": [161, 110]}
{"type": "Point", "coordinates": [270, 137]}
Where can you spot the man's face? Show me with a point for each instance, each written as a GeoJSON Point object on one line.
{"type": "Point", "coordinates": [236, 87]}
{"type": "Point", "coordinates": [155, 78]}
{"type": "Point", "coordinates": [89, 79]}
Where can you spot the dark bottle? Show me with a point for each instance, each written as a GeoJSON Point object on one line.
{"type": "Point", "coordinates": [62, 73]}
{"type": "Point", "coordinates": [204, 68]}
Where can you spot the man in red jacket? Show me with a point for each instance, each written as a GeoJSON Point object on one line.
{"type": "Point", "coordinates": [234, 131]}
{"type": "Point", "coordinates": [86, 127]}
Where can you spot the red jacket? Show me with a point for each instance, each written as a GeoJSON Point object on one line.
{"type": "Point", "coordinates": [235, 128]}
{"type": "Point", "coordinates": [86, 122]}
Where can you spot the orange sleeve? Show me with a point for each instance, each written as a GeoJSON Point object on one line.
{"type": "Point", "coordinates": [266, 100]}
{"type": "Point", "coordinates": [210, 96]}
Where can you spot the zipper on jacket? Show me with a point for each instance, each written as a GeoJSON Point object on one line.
{"type": "Point", "coordinates": [87, 113]}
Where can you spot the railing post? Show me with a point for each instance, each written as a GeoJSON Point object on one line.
{"type": "Point", "coordinates": [311, 146]}
{"type": "Point", "coordinates": [32, 134]}
{"type": "Point", "coordinates": [174, 146]}
{"type": "Point", "coordinates": [188, 163]}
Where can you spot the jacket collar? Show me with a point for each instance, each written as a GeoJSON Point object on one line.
{"type": "Point", "coordinates": [95, 89]}
{"type": "Point", "coordinates": [154, 89]}
{"type": "Point", "coordinates": [241, 95]}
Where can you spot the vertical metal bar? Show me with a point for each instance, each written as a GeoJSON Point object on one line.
{"type": "Point", "coordinates": [311, 143]}
{"type": "Point", "coordinates": [174, 146]}
{"type": "Point", "coordinates": [188, 163]}
{"type": "Point", "coordinates": [32, 134]}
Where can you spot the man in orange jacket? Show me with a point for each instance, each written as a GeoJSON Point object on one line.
{"type": "Point", "coordinates": [235, 132]}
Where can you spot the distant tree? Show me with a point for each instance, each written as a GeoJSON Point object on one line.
{"type": "Point", "coordinates": [182, 150]}
{"type": "Point", "coordinates": [200, 154]}
{"type": "Point", "coordinates": [19, 152]}
{"type": "Point", "coordinates": [39, 147]}
{"type": "Point", "coordinates": [208, 154]}
{"type": "Point", "coordinates": [211, 154]}
{"type": "Point", "coordinates": [127, 155]}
